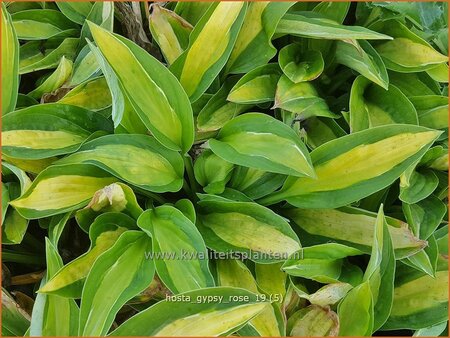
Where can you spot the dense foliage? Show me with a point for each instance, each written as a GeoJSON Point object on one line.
{"type": "Point", "coordinates": [224, 168]}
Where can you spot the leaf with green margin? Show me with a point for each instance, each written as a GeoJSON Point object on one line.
{"type": "Point", "coordinates": [212, 172]}
{"type": "Point", "coordinates": [48, 130]}
{"type": "Point", "coordinates": [301, 99]}
{"type": "Point", "coordinates": [253, 46]}
{"type": "Point", "coordinates": [312, 26]}
{"type": "Point", "coordinates": [56, 227]}
{"type": "Point", "coordinates": [85, 66]}
{"type": "Point", "coordinates": [136, 159]}
{"type": "Point", "coordinates": [417, 186]}
{"type": "Point", "coordinates": [355, 312]}
{"type": "Point", "coordinates": [419, 300]}
{"type": "Point", "coordinates": [431, 331]}
{"type": "Point", "coordinates": [380, 271]}
{"type": "Point", "coordinates": [117, 275]}
{"type": "Point", "coordinates": [255, 183]}
{"type": "Point", "coordinates": [191, 11]}
{"type": "Point", "coordinates": [42, 24]}
{"type": "Point", "coordinates": [414, 84]}
{"type": "Point", "coordinates": [234, 273]}
{"type": "Point", "coordinates": [104, 232]}
{"type": "Point", "coordinates": [439, 73]}
{"type": "Point", "coordinates": [355, 166]}
{"type": "Point", "coordinates": [37, 55]}
{"type": "Point", "coordinates": [371, 106]}
{"type": "Point", "coordinates": [60, 189]}
{"type": "Point", "coordinates": [300, 66]}
{"type": "Point", "coordinates": [313, 321]}
{"type": "Point", "coordinates": [10, 63]}
{"type": "Point", "coordinates": [271, 280]}
{"type": "Point", "coordinates": [102, 14]}
{"type": "Point", "coordinates": [260, 141]}
{"type": "Point", "coordinates": [15, 320]}
{"type": "Point", "coordinates": [75, 11]}
{"type": "Point", "coordinates": [60, 317]}
{"type": "Point", "coordinates": [174, 234]}
{"type": "Point", "coordinates": [328, 295]}
{"type": "Point", "coordinates": [425, 260]}
{"type": "Point", "coordinates": [322, 263]}
{"type": "Point", "coordinates": [218, 111]}
{"type": "Point", "coordinates": [168, 114]}
{"type": "Point", "coordinates": [187, 208]}
{"type": "Point", "coordinates": [210, 45]}
{"type": "Point", "coordinates": [362, 57]}
{"type": "Point", "coordinates": [116, 197]}
{"type": "Point", "coordinates": [55, 80]}
{"type": "Point", "coordinates": [263, 236]}
{"type": "Point", "coordinates": [170, 31]}
{"type": "Point", "coordinates": [191, 316]}
{"type": "Point", "coordinates": [407, 52]}
{"type": "Point", "coordinates": [257, 86]}
{"type": "Point", "coordinates": [93, 94]}
{"type": "Point", "coordinates": [432, 111]}
{"type": "Point", "coordinates": [353, 227]}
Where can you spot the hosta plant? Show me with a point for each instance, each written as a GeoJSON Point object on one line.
{"type": "Point", "coordinates": [224, 168]}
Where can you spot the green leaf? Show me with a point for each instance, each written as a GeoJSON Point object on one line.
{"type": "Point", "coordinates": [210, 45]}
{"type": "Point", "coordinates": [253, 46]}
{"type": "Point", "coordinates": [301, 99]}
{"type": "Point", "coordinates": [300, 66]}
{"type": "Point", "coordinates": [355, 166]}
{"type": "Point", "coordinates": [68, 281]}
{"type": "Point", "coordinates": [136, 159]}
{"type": "Point", "coordinates": [317, 27]}
{"type": "Point", "coordinates": [117, 275]}
{"type": "Point", "coordinates": [313, 321]}
{"type": "Point", "coordinates": [10, 63]}
{"type": "Point", "coordinates": [168, 114]}
{"type": "Point", "coordinates": [417, 186]}
{"type": "Point", "coordinates": [432, 111]}
{"type": "Point", "coordinates": [75, 11]}
{"type": "Point", "coordinates": [257, 86]}
{"type": "Point", "coordinates": [263, 236]}
{"type": "Point", "coordinates": [229, 309]}
{"type": "Point", "coordinates": [362, 57]}
{"type": "Point", "coordinates": [371, 106]}
{"type": "Point", "coordinates": [48, 130]}
{"type": "Point", "coordinates": [183, 261]}
{"type": "Point", "coordinates": [61, 188]}
{"type": "Point", "coordinates": [259, 141]}
{"type": "Point", "coordinates": [15, 321]}
{"type": "Point", "coordinates": [85, 66]}
{"type": "Point", "coordinates": [170, 31]}
{"type": "Point", "coordinates": [212, 172]}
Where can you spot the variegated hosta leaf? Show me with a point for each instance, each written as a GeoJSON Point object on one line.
{"type": "Point", "coordinates": [432, 111]}
{"type": "Point", "coordinates": [61, 188]}
{"type": "Point", "coordinates": [218, 110]}
{"type": "Point", "coordinates": [253, 46]}
{"type": "Point", "coordinates": [301, 99]}
{"type": "Point", "coordinates": [269, 322]}
{"type": "Point", "coordinates": [85, 66]}
{"type": "Point", "coordinates": [255, 183]}
{"type": "Point", "coordinates": [15, 320]}
{"type": "Point", "coordinates": [380, 271]}
{"type": "Point", "coordinates": [354, 227]}
{"type": "Point", "coordinates": [259, 141]}
{"type": "Point", "coordinates": [41, 24]}
{"type": "Point", "coordinates": [37, 55]}
{"type": "Point", "coordinates": [321, 130]}
{"type": "Point", "coordinates": [439, 73]}
{"type": "Point", "coordinates": [299, 66]}
{"type": "Point", "coordinates": [191, 11]}
{"type": "Point", "coordinates": [263, 236]}
{"type": "Point", "coordinates": [49, 130]}
{"type": "Point", "coordinates": [170, 31]}
{"type": "Point", "coordinates": [10, 63]}
{"type": "Point", "coordinates": [93, 94]}
{"type": "Point", "coordinates": [416, 185]}
{"type": "Point", "coordinates": [30, 166]}
{"type": "Point", "coordinates": [271, 280]}
{"type": "Point", "coordinates": [117, 275]}
{"type": "Point", "coordinates": [362, 57]}
{"type": "Point", "coordinates": [318, 27]}
{"type": "Point", "coordinates": [135, 159]}
{"type": "Point", "coordinates": [116, 197]}
{"type": "Point", "coordinates": [407, 52]}
{"type": "Point", "coordinates": [183, 262]}
{"type": "Point", "coordinates": [216, 311]}
{"type": "Point", "coordinates": [371, 106]}
{"type": "Point", "coordinates": [212, 172]}
{"type": "Point", "coordinates": [103, 233]}
{"type": "Point", "coordinates": [327, 295]}
{"type": "Point", "coordinates": [75, 11]}
{"type": "Point", "coordinates": [313, 321]}
{"type": "Point", "coordinates": [355, 166]}
{"type": "Point", "coordinates": [322, 263]}
{"type": "Point", "coordinates": [55, 80]}
{"type": "Point", "coordinates": [419, 300]}
{"type": "Point", "coordinates": [153, 92]}
{"type": "Point", "coordinates": [210, 45]}
{"type": "Point", "coordinates": [257, 86]}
